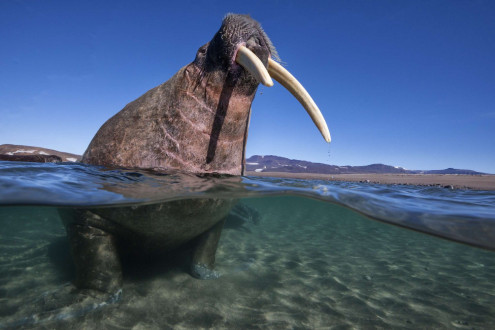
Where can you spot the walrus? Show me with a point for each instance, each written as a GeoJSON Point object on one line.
{"type": "Point", "coordinates": [196, 122]}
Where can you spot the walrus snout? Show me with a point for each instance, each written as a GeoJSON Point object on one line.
{"type": "Point", "coordinates": [237, 30]}
{"type": "Point", "coordinates": [255, 54]}
{"type": "Point", "coordinates": [242, 41]}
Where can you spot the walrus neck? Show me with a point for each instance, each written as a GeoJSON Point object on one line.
{"type": "Point", "coordinates": [193, 123]}
{"type": "Point", "coordinates": [221, 111]}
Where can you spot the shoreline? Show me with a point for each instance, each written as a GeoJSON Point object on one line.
{"type": "Point", "coordinates": [453, 181]}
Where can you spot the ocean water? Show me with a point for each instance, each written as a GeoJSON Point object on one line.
{"type": "Point", "coordinates": [294, 254]}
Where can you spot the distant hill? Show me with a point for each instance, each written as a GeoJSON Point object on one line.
{"type": "Point", "coordinates": [20, 150]}
{"type": "Point", "coordinates": [451, 171]}
{"type": "Point", "coordinates": [257, 163]}
{"type": "Point", "coordinates": [280, 164]}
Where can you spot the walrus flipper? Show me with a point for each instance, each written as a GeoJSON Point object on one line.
{"type": "Point", "coordinates": [99, 275]}
{"type": "Point", "coordinates": [94, 251]}
{"type": "Point", "coordinates": [203, 256]}
{"type": "Point", "coordinates": [96, 258]}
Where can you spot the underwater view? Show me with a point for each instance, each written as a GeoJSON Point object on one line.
{"type": "Point", "coordinates": [131, 198]}
{"type": "Point", "coordinates": [292, 254]}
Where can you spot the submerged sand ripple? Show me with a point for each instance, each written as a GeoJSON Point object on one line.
{"type": "Point", "coordinates": [307, 264]}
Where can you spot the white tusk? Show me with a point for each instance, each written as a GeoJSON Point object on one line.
{"type": "Point", "coordinates": [286, 79]}
{"type": "Point", "coordinates": [249, 61]}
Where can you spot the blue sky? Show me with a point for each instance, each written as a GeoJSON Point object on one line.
{"type": "Point", "coordinates": [404, 83]}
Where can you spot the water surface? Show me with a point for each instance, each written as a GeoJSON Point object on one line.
{"type": "Point", "coordinates": [293, 254]}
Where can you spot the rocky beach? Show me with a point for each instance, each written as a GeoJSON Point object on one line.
{"type": "Point", "coordinates": [452, 181]}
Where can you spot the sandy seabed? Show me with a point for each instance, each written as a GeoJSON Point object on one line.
{"type": "Point", "coordinates": [305, 265]}
{"type": "Point", "coordinates": [478, 182]}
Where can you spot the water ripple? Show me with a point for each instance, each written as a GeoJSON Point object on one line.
{"type": "Point", "coordinates": [463, 215]}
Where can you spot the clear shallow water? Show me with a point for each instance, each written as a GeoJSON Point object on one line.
{"type": "Point", "coordinates": [302, 255]}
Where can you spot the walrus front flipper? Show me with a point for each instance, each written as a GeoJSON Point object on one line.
{"type": "Point", "coordinates": [95, 257]}
{"type": "Point", "coordinates": [203, 256]}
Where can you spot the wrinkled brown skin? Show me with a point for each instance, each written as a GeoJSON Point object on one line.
{"type": "Point", "coordinates": [177, 126]}
{"type": "Point", "coordinates": [195, 122]}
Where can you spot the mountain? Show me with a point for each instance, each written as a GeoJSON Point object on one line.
{"type": "Point", "coordinates": [271, 163]}
{"type": "Point", "coordinates": [451, 171]}
{"type": "Point", "coordinates": [254, 163]}
{"type": "Point", "coordinates": [37, 152]}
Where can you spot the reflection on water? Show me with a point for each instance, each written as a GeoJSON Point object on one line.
{"type": "Point", "coordinates": [286, 260]}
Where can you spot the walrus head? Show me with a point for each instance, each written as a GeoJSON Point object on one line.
{"type": "Point", "coordinates": [198, 120]}
{"type": "Point", "coordinates": [238, 34]}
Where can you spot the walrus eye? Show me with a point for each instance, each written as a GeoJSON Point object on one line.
{"type": "Point", "coordinates": [251, 63]}
{"type": "Point", "coordinates": [253, 41]}
{"type": "Point", "coordinates": [202, 49]}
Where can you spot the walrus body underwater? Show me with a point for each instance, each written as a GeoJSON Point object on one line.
{"type": "Point", "coordinates": [196, 122]}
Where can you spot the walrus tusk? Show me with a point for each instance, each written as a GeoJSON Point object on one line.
{"type": "Point", "coordinates": [286, 79]}
{"type": "Point", "coordinates": [249, 61]}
